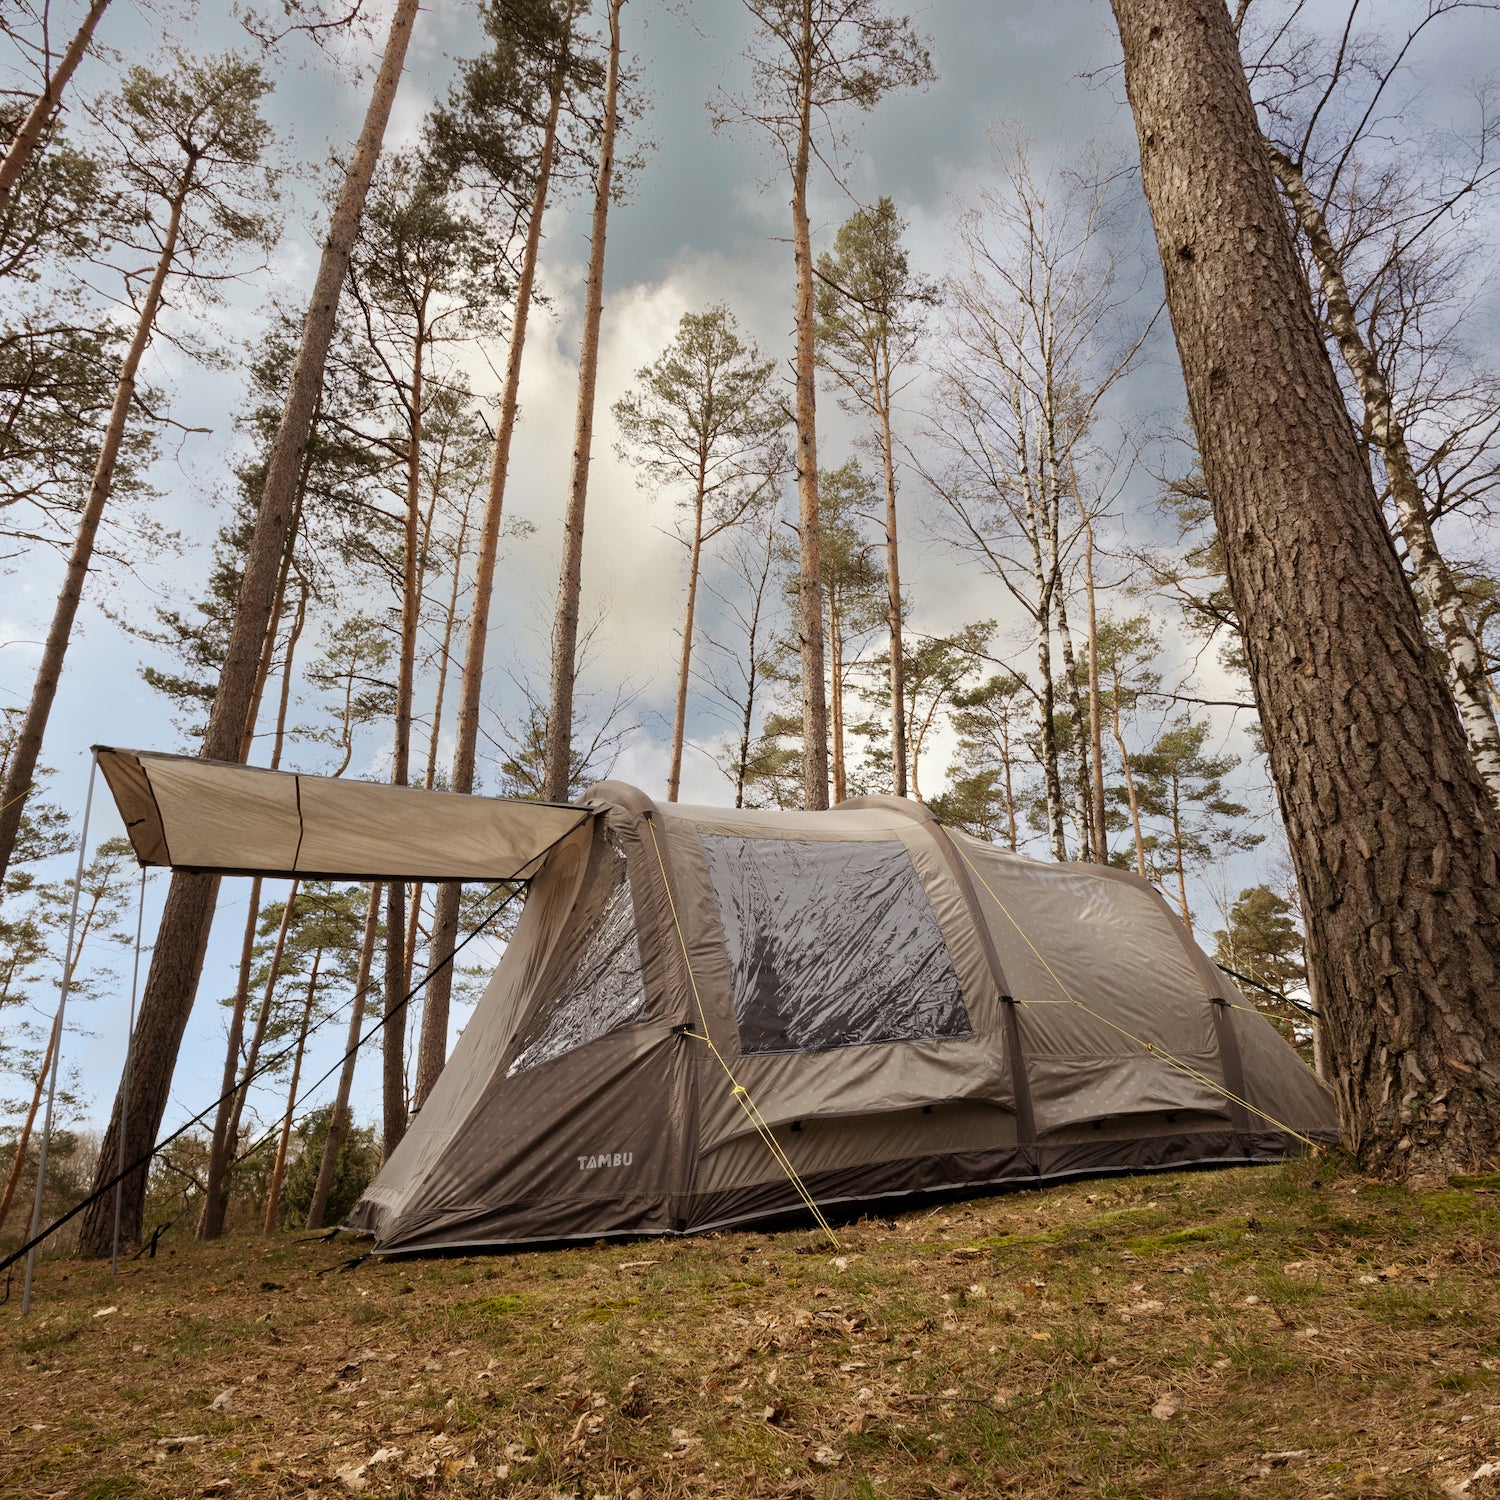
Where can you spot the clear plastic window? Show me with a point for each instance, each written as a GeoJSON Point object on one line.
{"type": "Point", "coordinates": [600, 990]}
{"type": "Point", "coordinates": [831, 945]}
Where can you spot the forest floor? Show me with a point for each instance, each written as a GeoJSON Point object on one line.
{"type": "Point", "coordinates": [1282, 1331]}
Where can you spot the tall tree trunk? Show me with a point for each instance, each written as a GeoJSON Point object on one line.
{"type": "Point", "coordinates": [188, 911]}
{"type": "Point", "coordinates": [1177, 855]}
{"type": "Point", "coordinates": [1083, 808]}
{"type": "Point", "coordinates": [278, 1172]}
{"type": "Point", "coordinates": [432, 1044]}
{"type": "Point", "coordinates": [258, 1032]}
{"type": "Point", "coordinates": [679, 720]}
{"type": "Point", "coordinates": [809, 523]}
{"type": "Point", "coordinates": [23, 143]}
{"type": "Point", "coordinates": [893, 594]}
{"type": "Point", "coordinates": [23, 1141]}
{"type": "Point", "coordinates": [558, 767]}
{"type": "Point", "coordinates": [1135, 806]}
{"type": "Point", "coordinates": [1430, 570]}
{"type": "Point", "coordinates": [27, 745]}
{"type": "Point", "coordinates": [836, 697]}
{"type": "Point", "coordinates": [397, 952]}
{"type": "Point", "coordinates": [1096, 716]}
{"type": "Point", "coordinates": [752, 669]}
{"type": "Point", "coordinates": [338, 1121]}
{"type": "Point", "coordinates": [432, 1051]}
{"type": "Point", "coordinates": [1391, 828]}
{"type": "Point", "coordinates": [215, 1200]}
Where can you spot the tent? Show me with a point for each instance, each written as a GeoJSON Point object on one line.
{"type": "Point", "coordinates": [709, 1017]}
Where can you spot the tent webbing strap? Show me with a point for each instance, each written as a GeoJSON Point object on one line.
{"type": "Point", "coordinates": [1154, 1049]}
{"type": "Point", "coordinates": [738, 1091]}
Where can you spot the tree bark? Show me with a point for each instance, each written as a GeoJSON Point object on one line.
{"type": "Point", "coordinates": [432, 1050]}
{"type": "Point", "coordinates": [558, 767]}
{"type": "Point", "coordinates": [679, 720]}
{"type": "Point", "coordinates": [397, 948]}
{"type": "Point", "coordinates": [1392, 830]}
{"type": "Point", "coordinates": [215, 1200]}
{"type": "Point", "coordinates": [809, 524]}
{"type": "Point", "coordinates": [188, 911]}
{"type": "Point", "coordinates": [18, 153]}
{"type": "Point", "coordinates": [1135, 806]}
{"type": "Point", "coordinates": [338, 1121]}
{"type": "Point", "coordinates": [1429, 568]}
{"type": "Point", "coordinates": [27, 745]}
{"type": "Point", "coordinates": [278, 1172]}
{"type": "Point", "coordinates": [893, 588]}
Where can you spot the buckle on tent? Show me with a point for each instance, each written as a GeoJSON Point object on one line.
{"type": "Point", "coordinates": [686, 1029]}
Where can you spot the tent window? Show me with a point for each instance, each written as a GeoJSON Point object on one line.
{"type": "Point", "coordinates": [600, 990]}
{"type": "Point", "coordinates": [831, 945]}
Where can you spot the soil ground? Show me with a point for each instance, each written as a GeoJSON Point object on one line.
{"type": "Point", "coordinates": [1284, 1331]}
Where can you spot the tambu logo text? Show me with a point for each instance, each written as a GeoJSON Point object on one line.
{"type": "Point", "coordinates": [607, 1159]}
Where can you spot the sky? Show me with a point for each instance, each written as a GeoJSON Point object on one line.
{"type": "Point", "coordinates": [705, 219]}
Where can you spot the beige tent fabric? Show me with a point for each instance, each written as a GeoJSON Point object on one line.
{"type": "Point", "coordinates": [226, 819]}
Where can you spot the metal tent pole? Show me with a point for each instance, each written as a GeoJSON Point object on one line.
{"type": "Point", "coordinates": [135, 980]}
{"type": "Point", "coordinates": [62, 1005]}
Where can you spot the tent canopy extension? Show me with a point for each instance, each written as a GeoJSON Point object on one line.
{"type": "Point", "coordinates": [697, 999]}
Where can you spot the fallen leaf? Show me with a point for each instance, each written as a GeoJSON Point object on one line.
{"type": "Point", "coordinates": [1166, 1408]}
{"type": "Point", "coordinates": [104, 1312]}
{"type": "Point", "coordinates": [826, 1457]}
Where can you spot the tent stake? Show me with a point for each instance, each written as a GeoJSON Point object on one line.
{"type": "Point", "coordinates": [62, 1005]}
{"type": "Point", "coordinates": [135, 980]}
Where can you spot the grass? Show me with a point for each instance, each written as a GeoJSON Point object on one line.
{"type": "Point", "coordinates": [1273, 1332]}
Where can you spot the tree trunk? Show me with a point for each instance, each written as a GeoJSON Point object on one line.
{"type": "Point", "coordinates": [433, 1048]}
{"type": "Point", "coordinates": [278, 1172]}
{"type": "Point", "coordinates": [1083, 813]}
{"type": "Point", "coordinates": [18, 153]}
{"type": "Point", "coordinates": [893, 595]}
{"type": "Point", "coordinates": [338, 1121]}
{"type": "Point", "coordinates": [809, 524]}
{"type": "Point", "coordinates": [397, 953]}
{"type": "Point", "coordinates": [679, 721]}
{"type": "Point", "coordinates": [1392, 830]}
{"type": "Point", "coordinates": [27, 745]}
{"type": "Point", "coordinates": [836, 697]}
{"type": "Point", "coordinates": [18, 1164]}
{"type": "Point", "coordinates": [215, 1199]}
{"type": "Point", "coordinates": [188, 910]}
{"type": "Point", "coordinates": [257, 1036]}
{"type": "Point", "coordinates": [558, 770]}
{"type": "Point", "coordinates": [1429, 568]}
{"type": "Point", "coordinates": [1096, 717]}
{"type": "Point", "coordinates": [1135, 806]}
{"type": "Point", "coordinates": [1182, 900]}
{"type": "Point", "coordinates": [432, 1044]}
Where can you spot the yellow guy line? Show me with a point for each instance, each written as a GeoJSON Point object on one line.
{"type": "Point", "coordinates": [737, 1089]}
{"type": "Point", "coordinates": [1154, 1048]}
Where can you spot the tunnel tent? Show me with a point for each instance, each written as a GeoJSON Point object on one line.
{"type": "Point", "coordinates": [705, 1014]}
{"type": "Point", "coordinates": [710, 1017]}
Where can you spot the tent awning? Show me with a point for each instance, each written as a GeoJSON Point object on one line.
{"type": "Point", "coordinates": [216, 817]}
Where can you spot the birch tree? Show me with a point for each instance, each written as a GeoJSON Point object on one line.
{"type": "Point", "coordinates": [1378, 234]}
{"type": "Point", "coordinates": [870, 310]}
{"type": "Point", "coordinates": [704, 418]}
{"type": "Point", "coordinates": [1035, 338]}
{"type": "Point", "coordinates": [812, 62]}
{"type": "Point", "coordinates": [1392, 831]}
{"type": "Point", "coordinates": [187, 914]}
